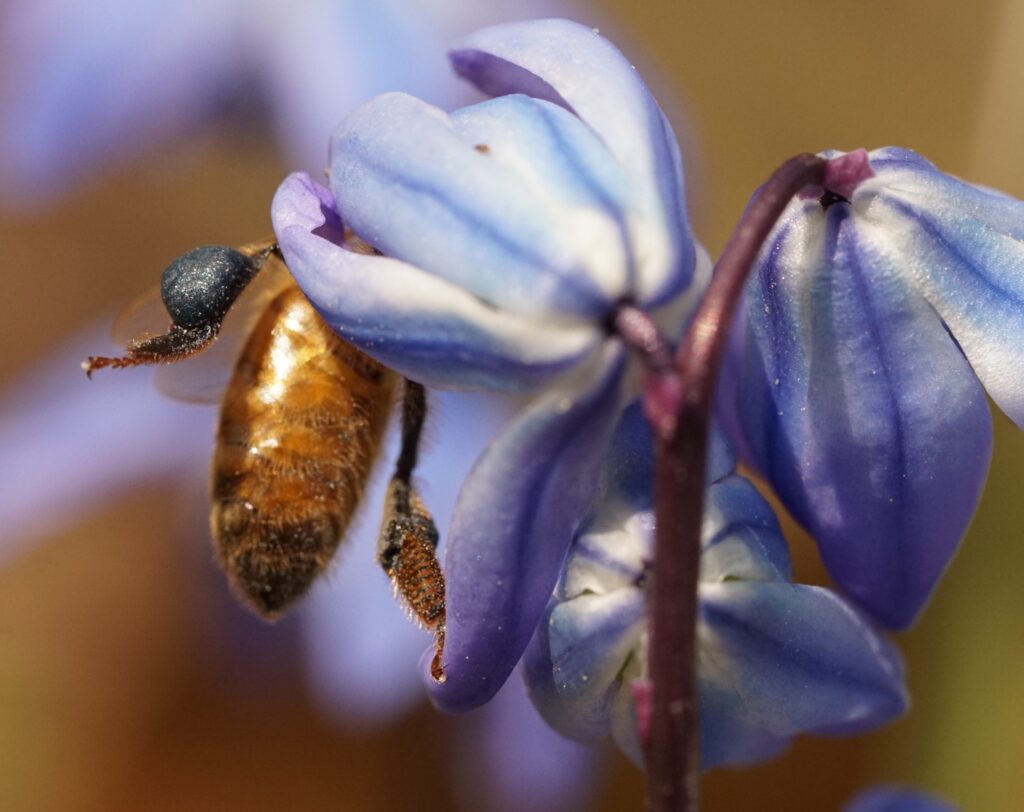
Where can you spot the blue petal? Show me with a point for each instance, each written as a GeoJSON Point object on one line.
{"type": "Point", "coordinates": [573, 665]}
{"type": "Point", "coordinates": [513, 523]}
{"type": "Point", "coordinates": [550, 149]}
{"type": "Point", "coordinates": [628, 472]}
{"type": "Point", "coordinates": [728, 735]}
{"type": "Point", "coordinates": [963, 248]}
{"type": "Point", "coordinates": [740, 535]}
{"type": "Point", "coordinates": [897, 799]}
{"type": "Point", "coordinates": [855, 402]}
{"type": "Point", "coordinates": [793, 659]}
{"type": "Point", "coordinates": [411, 185]}
{"type": "Point", "coordinates": [415, 323]}
{"type": "Point", "coordinates": [571, 65]}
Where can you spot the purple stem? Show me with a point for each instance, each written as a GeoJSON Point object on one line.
{"type": "Point", "coordinates": [678, 403]}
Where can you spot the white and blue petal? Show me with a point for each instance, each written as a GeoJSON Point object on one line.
{"type": "Point", "coordinates": [791, 659]}
{"type": "Point", "coordinates": [574, 665]}
{"type": "Point", "coordinates": [963, 249]}
{"type": "Point", "coordinates": [407, 181]}
{"type": "Point", "coordinates": [569, 64]}
{"type": "Point", "coordinates": [416, 323]}
{"type": "Point", "coordinates": [516, 515]}
{"type": "Point", "coordinates": [740, 535]}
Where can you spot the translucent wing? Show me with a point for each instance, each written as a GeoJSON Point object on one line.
{"type": "Point", "coordinates": [196, 371]}
{"type": "Point", "coordinates": [144, 318]}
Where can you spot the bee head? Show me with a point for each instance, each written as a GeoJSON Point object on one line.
{"type": "Point", "coordinates": [199, 287]}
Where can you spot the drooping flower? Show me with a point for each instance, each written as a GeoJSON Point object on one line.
{"type": "Point", "coordinates": [876, 320]}
{"type": "Point", "coordinates": [508, 233]}
{"type": "Point", "coordinates": [775, 659]}
{"type": "Point", "coordinates": [83, 86]}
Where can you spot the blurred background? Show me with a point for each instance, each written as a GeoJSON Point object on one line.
{"type": "Point", "coordinates": [134, 131]}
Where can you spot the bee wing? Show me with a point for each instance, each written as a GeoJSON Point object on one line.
{"type": "Point", "coordinates": [143, 318]}
{"type": "Point", "coordinates": [201, 378]}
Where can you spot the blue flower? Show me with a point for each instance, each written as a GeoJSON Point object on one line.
{"type": "Point", "coordinates": [875, 322]}
{"type": "Point", "coordinates": [775, 659]}
{"type": "Point", "coordinates": [897, 799]}
{"type": "Point", "coordinates": [85, 85]}
{"type": "Point", "coordinates": [509, 232]}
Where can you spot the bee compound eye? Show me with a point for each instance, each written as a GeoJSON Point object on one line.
{"type": "Point", "coordinates": [199, 287]}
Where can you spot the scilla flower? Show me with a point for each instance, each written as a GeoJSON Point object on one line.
{"type": "Point", "coordinates": [876, 321]}
{"type": "Point", "coordinates": [506, 234]}
{"type": "Point", "coordinates": [774, 658]}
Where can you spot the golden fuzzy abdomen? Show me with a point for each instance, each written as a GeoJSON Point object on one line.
{"type": "Point", "coordinates": [300, 426]}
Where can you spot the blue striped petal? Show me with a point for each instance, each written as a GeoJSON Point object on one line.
{"type": "Point", "coordinates": [513, 523]}
{"type": "Point", "coordinates": [963, 249]}
{"type": "Point", "coordinates": [793, 659]}
{"type": "Point", "coordinates": [574, 666]}
{"type": "Point", "coordinates": [861, 410]}
{"type": "Point", "coordinates": [571, 65]}
{"type": "Point", "coordinates": [409, 183]}
{"type": "Point", "coordinates": [740, 535]}
{"type": "Point", "coordinates": [415, 323]}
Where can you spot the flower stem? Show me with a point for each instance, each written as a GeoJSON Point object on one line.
{"type": "Point", "coordinates": [681, 425]}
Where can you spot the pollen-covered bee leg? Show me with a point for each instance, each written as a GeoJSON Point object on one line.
{"type": "Point", "coordinates": [407, 548]}
{"type": "Point", "coordinates": [177, 343]}
{"type": "Point", "coordinates": [197, 290]}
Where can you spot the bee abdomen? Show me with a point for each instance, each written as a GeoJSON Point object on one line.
{"type": "Point", "coordinates": [299, 431]}
{"type": "Point", "coordinates": [272, 562]}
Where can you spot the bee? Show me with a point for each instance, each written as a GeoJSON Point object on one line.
{"type": "Point", "coordinates": [301, 423]}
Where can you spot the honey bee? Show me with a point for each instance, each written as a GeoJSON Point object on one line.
{"type": "Point", "coordinates": [301, 423]}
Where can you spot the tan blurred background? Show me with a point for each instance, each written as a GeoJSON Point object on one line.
{"type": "Point", "coordinates": [111, 696]}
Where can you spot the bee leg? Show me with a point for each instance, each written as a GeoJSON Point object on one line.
{"type": "Point", "coordinates": [407, 547]}
{"type": "Point", "coordinates": [177, 343]}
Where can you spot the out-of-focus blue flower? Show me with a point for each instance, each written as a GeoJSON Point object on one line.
{"type": "Point", "coordinates": [510, 231]}
{"type": "Point", "coordinates": [897, 799]}
{"type": "Point", "coordinates": [68, 443]}
{"type": "Point", "coordinates": [874, 327]}
{"type": "Point", "coordinates": [85, 85]}
{"type": "Point", "coordinates": [774, 658]}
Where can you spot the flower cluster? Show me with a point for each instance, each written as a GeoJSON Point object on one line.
{"type": "Point", "coordinates": [508, 234]}
{"type": "Point", "coordinates": [492, 249]}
